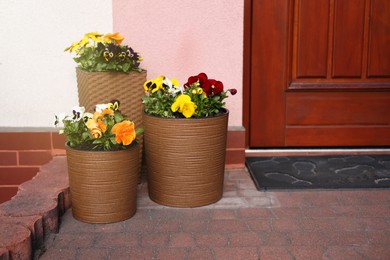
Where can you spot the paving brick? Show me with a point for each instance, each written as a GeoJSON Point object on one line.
{"type": "Point", "coordinates": [259, 224]}
{"type": "Point", "coordinates": [32, 204]}
{"type": "Point", "coordinates": [274, 239]}
{"type": "Point", "coordinates": [211, 240]}
{"type": "Point", "coordinates": [285, 212]}
{"type": "Point", "coordinates": [286, 224]}
{"type": "Point", "coordinates": [306, 238]}
{"type": "Point", "coordinates": [193, 225]}
{"type": "Point", "coordinates": [126, 253]}
{"type": "Point", "coordinates": [59, 254]}
{"type": "Point", "coordinates": [245, 239]}
{"type": "Point", "coordinates": [346, 238]}
{"type": "Point", "coordinates": [33, 223]}
{"type": "Point", "coordinates": [181, 240]}
{"type": "Point", "coordinates": [171, 253]}
{"type": "Point", "coordinates": [199, 253]}
{"type": "Point", "coordinates": [254, 213]}
{"type": "Point", "coordinates": [223, 214]}
{"type": "Point", "coordinates": [93, 253]}
{"type": "Point", "coordinates": [274, 253]}
{"type": "Point", "coordinates": [226, 226]}
{"type": "Point", "coordinates": [112, 240]}
{"type": "Point", "coordinates": [167, 226]}
{"type": "Point", "coordinates": [378, 237]}
{"type": "Point", "coordinates": [343, 252]}
{"type": "Point", "coordinates": [17, 240]}
{"type": "Point", "coordinates": [236, 253]}
{"type": "Point", "coordinates": [307, 253]}
{"type": "Point", "coordinates": [372, 224]}
{"type": "Point", "coordinates": [70, 241]}
{"type": "Point", "coordinates": [4, 253]}
{"type": "Point", "coordinates": [154, 240]}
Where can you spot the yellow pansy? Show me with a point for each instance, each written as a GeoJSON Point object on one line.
{"type": "Point", "coordinates": [184, 105]}
{"type": "Point", "coordinates": [113, 38]}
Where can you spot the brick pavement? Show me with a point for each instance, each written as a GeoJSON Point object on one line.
{"type": "Point", "coordinates": [244, 224]}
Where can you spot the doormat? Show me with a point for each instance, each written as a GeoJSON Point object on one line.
{"type": "Point", "coordinates": [320, 172]}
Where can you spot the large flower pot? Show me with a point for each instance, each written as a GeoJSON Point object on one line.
{"type": "Point", "coordinates": [185, 159]}
{"type": "Point", "coordinates": [102, 87]}
{"type": "Point", "coordinates": [103, 184]}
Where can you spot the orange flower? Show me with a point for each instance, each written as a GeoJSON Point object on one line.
{"type": "Point", "coordinates": [110, 37]}
{"type": "Point", "coordinates": [107, 111]}
{"type": "Point", "coordinates": [124, 132]}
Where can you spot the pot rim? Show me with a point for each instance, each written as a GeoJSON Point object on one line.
{"type": "Point", "coordinates": [223, 112]}
{"type": "Point", "coordinates": [131, 146]}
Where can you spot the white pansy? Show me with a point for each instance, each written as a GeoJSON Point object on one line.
{"type": "Point", "coordinates": [78, 112]}
{"type": "Point", "coordinates": [100, 107]}
{"type": "Point", "coordinates": [173, 89]}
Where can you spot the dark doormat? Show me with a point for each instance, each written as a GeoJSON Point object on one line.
{"type": "Point", "coordinates": [324, 172]}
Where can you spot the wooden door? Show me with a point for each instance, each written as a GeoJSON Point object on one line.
{"type": "Point", "coordinates": [319, 73]}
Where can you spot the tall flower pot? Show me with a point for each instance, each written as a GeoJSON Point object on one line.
{"type": "Point", "coordinates": [102, 87]}
{"type": "Point", "coordinates": [103, 184]}
{"type": "Point", "coordinates": [185, 159]}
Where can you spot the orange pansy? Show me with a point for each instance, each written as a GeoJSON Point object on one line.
{"type": "Point", "coordinates": [124, 132]}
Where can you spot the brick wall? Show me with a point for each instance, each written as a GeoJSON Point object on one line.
{"type": "Point", "coordinates": [22, 154]}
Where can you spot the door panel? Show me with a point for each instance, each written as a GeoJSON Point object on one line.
{"type": "Point", "coordinates": [320, 73]}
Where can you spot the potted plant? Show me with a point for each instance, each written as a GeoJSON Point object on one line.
{"type": "Point", "coordinates": [107, 69]}
{"type": "Point", "coordinates": [185, 140]}
{"type": "Point", "coordinates": [103, 166]}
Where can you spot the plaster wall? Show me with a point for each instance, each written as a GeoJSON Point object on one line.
{"type": "Point", "coordinates": [177, 38]}
{"type": "Point", "coordinates": [37, 78]}
{"type": "Point", "coordinates": [180, 38]}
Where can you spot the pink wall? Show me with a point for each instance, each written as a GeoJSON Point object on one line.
{"type": "Point", "coordinates": [180, 38]}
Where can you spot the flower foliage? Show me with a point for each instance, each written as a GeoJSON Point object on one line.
{"type": "Point", "coordinates": [98, 52]}
{"type": "Point", "coordinates": [199, 97]}
{"type": "Point", "coordinates": [106, 129]}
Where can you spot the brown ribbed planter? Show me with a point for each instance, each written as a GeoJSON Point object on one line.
{"type": "Point", "coordinates": [102, 87]}
{"type": "Point", "coordinates": [185, 159]}
{"type": "Point", "coordinates": [103, 184]}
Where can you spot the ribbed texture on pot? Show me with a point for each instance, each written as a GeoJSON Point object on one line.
{"type": "Point", "coordinates": [185, 159]}
{"type": "Point", "coordinates": [103, 184]}
{"type": "Point", "coordinates": [102, 87]}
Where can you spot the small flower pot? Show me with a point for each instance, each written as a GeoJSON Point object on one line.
{"type": "Point", "coordinates": [185, 159]}
{"type": "Point", "coordinates": [103, 184]}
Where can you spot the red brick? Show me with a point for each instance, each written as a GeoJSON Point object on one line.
{"type": "Point", "coordinates": [343, 252]}
{"type": "Point", "coordinates": [70, 241]}
{"type": "Point", "coordinates": [236, 139]}
{"type": "Point", "coordinates": [33, 223]}
{"type": "Point", "coordinates": [17, 240]}
{"type": "Point", "coordinates": [17, 175]}
{"type": "Point", "coordinates": [286, 224]}
{"type": "Point", "coordinates": [259, 224]}
{"type": "Point", "coordinates": [235, 157]}
{"type": "Point", "coordinates": [93, 253]}
{"type": "Point", "coordinates": [181, 240]}
{"type": "Point", "coordinates": [379, 237]}
{"type": "Point", "coordinates": [226, 226]}
{"type": "Point", "coordinates": [8, 158]}
{"type": "Point", "coordinates": [346, 238]}
{"type": "Point", "coordinates": [274, 253]}
{"type": "Point", "coordinates": [223, 214]}
{"type": "Point", "coordinates": [200, 253]}
{"type": "Point", "coordinates": [25, 141]}
{"type": "Point", "coordinates": [34, 157]}
{"type": "Point", "coordinates": [372, 224]}
{"type": "Point", "coordinates": [117, 240]}
{"type": "Point", "coordinates": [211, 240]}
{"type": "Point", "coordinates": [58, 140]}
{"type": "Point", "coordinates": [274, 238]}
{"type": "Point", "coordinates": [171, 253]}
{"type": "Point", "coordinates": [32, 204]}
{"type": "Point", "coordinates": [307, 253]}
{"type": "Point", "coordinates": [375, 210]}
{"type": "Point", "coordinates": [4, 254]}
{"type": "Point", "coordinates": [193, 225]}
{"type": "Point", "coordinates": [154, 240]}
{"type": "Point", "coordinates": [254, 213]}
{"type": "Point", "coordinates": [125, 253]}
{"type": "Point", "coordinates": [245, 239]}
{"type": "Point", "coordinates": [167, 226]}
{"type": "Point", "coordinates": [303, 238]}
{"type": "Point", "coordinates": [6, 193]}
{"type": "Point", "coordinates": [59, 253]}
{"type": "Point", "coordinates": [236, 253]}
{"type": "Point", "coordinates": [286, 212]}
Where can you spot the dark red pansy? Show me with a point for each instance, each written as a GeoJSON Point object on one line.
{"type": "Point", "coordinates": [233, 91]}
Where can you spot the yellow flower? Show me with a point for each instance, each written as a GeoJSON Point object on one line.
{"type": "Point", "coordinates": [184, 105]}
{"type": "Point", "coordinates": [94, 36]}
{"type": "Point", "coordinates": [94, 128]}
{"type": "Point", "coordinates": [113, 37]}
{"type": "Point", "coordinates": [154, 85]}
{"type": "Point", "coordinates": [124, 132]}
